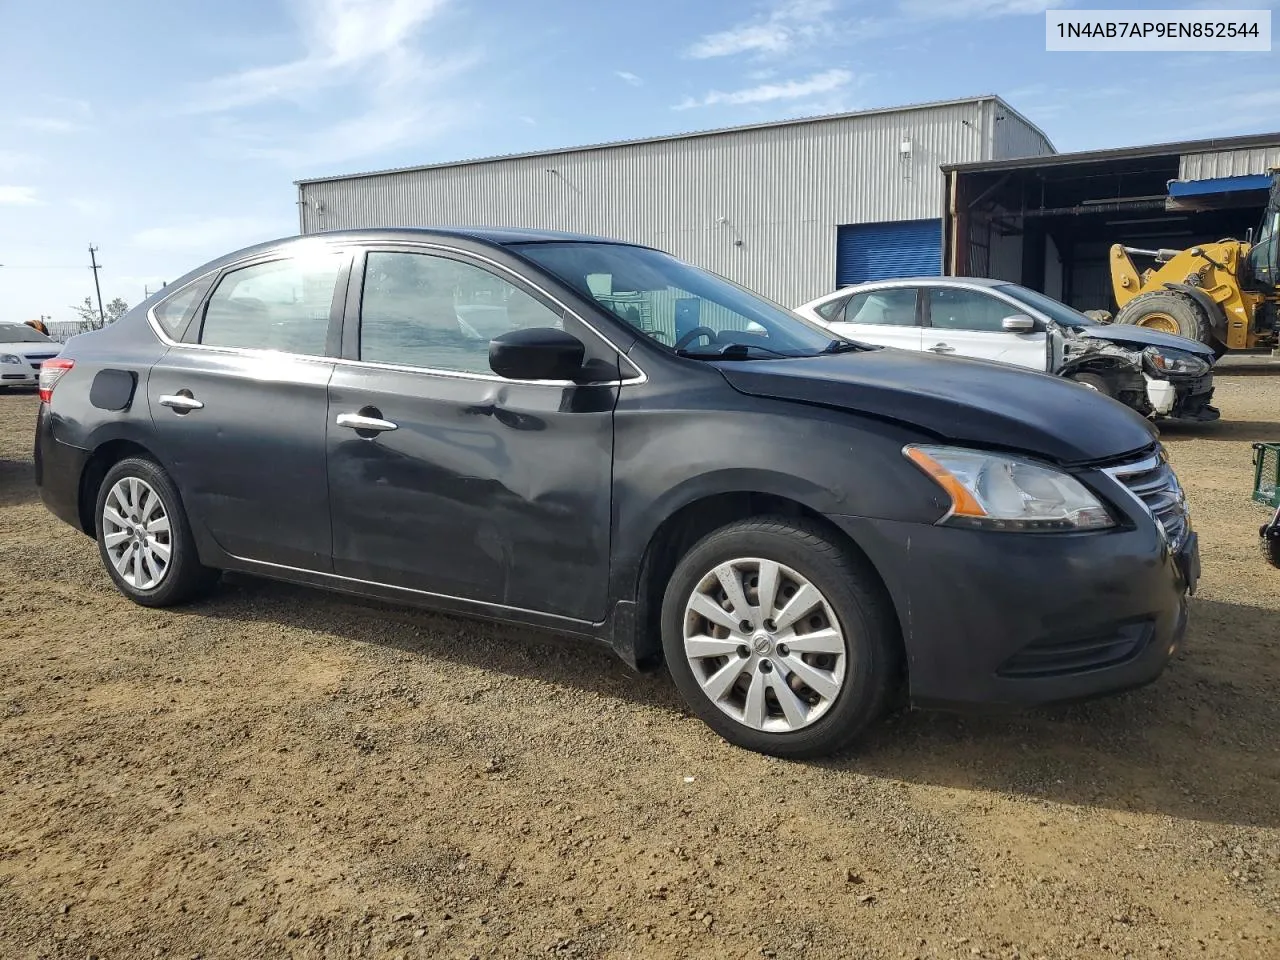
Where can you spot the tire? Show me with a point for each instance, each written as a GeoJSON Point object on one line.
{"type": "Point", "coordinates": [1093, 381]}
{"type": "Point", "coordinates": [1163, 308]}
{"type": "Point", "coordinates": [1271, 550]}
{"type": "Point", "coordinates": [857, 682]}
{"type": "Point", "coordinates": [148, 579]}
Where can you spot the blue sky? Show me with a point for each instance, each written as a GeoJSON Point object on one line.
{"type": "Point", "coordinates": [169, 133]}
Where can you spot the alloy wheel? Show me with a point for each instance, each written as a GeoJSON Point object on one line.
{"type": "Point", "coordinates": [136, 533]}
{"type": "Point", "coordinates": [764, 645]}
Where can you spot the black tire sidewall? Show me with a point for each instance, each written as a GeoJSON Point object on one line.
{"type": "Point", "coordinates": [185, 574]}
{"type": "Point", "coordinates": [869, 637]}
{"type": "Point", "coordinates": [1192, 323]}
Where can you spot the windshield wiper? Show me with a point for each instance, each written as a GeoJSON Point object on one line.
{"type": "Point", "coordinates": [731, 351]}
{"type": "Point", "coordinates": [843, 346]}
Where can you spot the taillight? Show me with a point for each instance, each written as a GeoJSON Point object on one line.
{"type": "Point", "coordinates": [51, 371]}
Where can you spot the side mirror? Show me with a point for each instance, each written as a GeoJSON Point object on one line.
{"type": "Point", "coordinates": [1018, 324]}
{"type": "Point", "coordinates": [536, 353]}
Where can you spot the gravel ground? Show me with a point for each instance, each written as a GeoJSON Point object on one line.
{"type": "Point", "coordinates": [281, 773]}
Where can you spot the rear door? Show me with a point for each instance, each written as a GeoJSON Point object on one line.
{"type": "Point", "coordinates": [888, 316]}
{"type": "Point", "coordinates": [963, 322]}
{"type": "Point", "coordinates": [469, 486]}
{"type": "Point", "coordinates": [239, 407]}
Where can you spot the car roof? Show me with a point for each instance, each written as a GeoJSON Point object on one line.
{"type": "Point", "coordinates": [931, 281]}
{"type": "Point", "coordinates": [495, 235]}
{"type": "Point", "coordinates": [491, 236]}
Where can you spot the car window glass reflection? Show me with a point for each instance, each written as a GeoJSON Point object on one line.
{"type": "Point", "coordinates": [428, 311]}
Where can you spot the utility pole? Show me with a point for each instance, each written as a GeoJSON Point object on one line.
{"type": "Point", "coordinates": [95, 267]}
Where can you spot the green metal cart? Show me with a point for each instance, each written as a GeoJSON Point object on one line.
{"type": "Point", "coordinates": [1266, 490]}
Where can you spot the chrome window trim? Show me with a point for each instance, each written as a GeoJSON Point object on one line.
{"type": "Point", "coordinates": [640, 377]}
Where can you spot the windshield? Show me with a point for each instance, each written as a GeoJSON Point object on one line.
{"type": "Point", "coordinates": [21, 333]}
{"type": "Point", "coordinates": [679, 305]}
{"type": "Point", "coordinates": [1056, 310]}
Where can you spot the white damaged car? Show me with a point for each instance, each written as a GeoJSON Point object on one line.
{"type": "Point", "coordinates": [1157, 374]}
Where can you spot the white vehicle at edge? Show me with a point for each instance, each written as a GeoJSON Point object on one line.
{"type": "Point", "coordinates": [22, 350]}
{"type": "Point", "coordinates": [1155, 373]}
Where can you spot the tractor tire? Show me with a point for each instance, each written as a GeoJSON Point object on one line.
{"type": "Point", "coordinates": [1271, 550]}
{"type": "Point", "coordinates": [1169, 312]}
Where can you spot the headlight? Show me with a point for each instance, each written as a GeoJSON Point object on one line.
{"type": "Point", "coordinates": [1167, 360]}
{"type": "Point", "coordinates": [9, 358]}
{"type": "Point", "coordinates": [996, 492]}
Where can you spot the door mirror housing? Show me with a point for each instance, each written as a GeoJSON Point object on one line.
{"type": "Point", "coordinates": [1018, 324]}
{"type": "Point", "coordinates": [537, 353]}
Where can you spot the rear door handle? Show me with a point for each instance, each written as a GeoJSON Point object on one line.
{"type": "Point", "coordinates": [942, 348]}
{"type": "Point", "coordinates": [357, 421]}
{"type": "Point", "coordinates": [182, 403]}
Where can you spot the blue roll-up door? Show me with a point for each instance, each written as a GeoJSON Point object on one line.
{"type": "Point", "coordinates": [881, 251]}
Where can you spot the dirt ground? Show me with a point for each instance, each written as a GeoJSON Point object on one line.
{"type": "Point", "coordinates": [277, 772]}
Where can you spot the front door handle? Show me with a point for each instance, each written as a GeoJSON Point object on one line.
{"type": "Point", "coordinates": [358, 421]}
{"type": "Point", "coordinates": [181, 402]}
{"type": "Point", "coordinates": [942, 348]}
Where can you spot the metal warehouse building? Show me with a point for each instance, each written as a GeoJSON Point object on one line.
{"type": "Point", "coordinates": [790, 209]}
{"type": "Point", "coordinates": [1049, 222]}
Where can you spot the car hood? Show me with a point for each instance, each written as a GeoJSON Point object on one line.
{"type": "Point", "coordinates": [28, 349]}
{"type": "Point", "coordinates": [971, 402]}
{"type": "Point", "coordinates": [1127, 335]}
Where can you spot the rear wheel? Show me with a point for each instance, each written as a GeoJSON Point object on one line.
{"type": "Point", "coordinates": [778, 639]}
{"type": "Point", "coordinates": [1168, 312]}
{"type": "Point", "coordinates": [144, 538]}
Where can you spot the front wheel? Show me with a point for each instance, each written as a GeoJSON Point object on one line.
{"type": "Point", "coordinates": [1094, 381]}
{"type": "Point", "coordinates": [144, 538]}
{"type": "Point", "coordinates": [779, 639]}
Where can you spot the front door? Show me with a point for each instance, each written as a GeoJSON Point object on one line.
{"type": "Point", "coordinates": [456, 481]}
{"type": "Point", "coordinates": [888, 317]}
{"type": "Point", "coordinates": [239, 409]}
{"type": "Point", "coordinates": [961, 322]}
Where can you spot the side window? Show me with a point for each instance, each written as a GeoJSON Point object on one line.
{"type": "Point", "coordinates": [173, 312]}
{"type": "Point", "coordinates": [430, 311]}
{"type": "Point", "coordinates": [280, 305]}
{"type": "Point", "coordinates": [954, 309]}
{"type": "Point", "coordinates": [833, 310]}
{"type": "Point", "coordinates": [894, 307]}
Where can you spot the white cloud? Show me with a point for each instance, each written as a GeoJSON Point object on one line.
{"type": "Point", "coordinates": [214, 234]}
{"type": "Point", "coordinates": [629, 77]}
{"type": "Point", "coordinates": [366, 50]}
{"type": "Point", "coordinates": [529, 120]}
{"type": "Point", "coordinates": [825, 82]}
{"type": "Point", "coordinates": [974, 9]}
{"type": "Point", "coordinates": [787, 26]}
{"type": "Point", "coordinates": [342, 39]}
{"type": "Point", "coordinates": [18, 196]}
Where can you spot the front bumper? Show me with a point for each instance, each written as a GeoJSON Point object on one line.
{"type": "Point", "coordinates": [1022, 619]}
{"type": "Point", "coordinates": [19, 375]}
{"type": "Point", "coordinates": [1193, 398]}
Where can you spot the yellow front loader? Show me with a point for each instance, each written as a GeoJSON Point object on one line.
{"type": "Point", "coordinates": [1223, 294]}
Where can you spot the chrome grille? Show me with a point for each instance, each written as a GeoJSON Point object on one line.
{"type": "Point", "coordinates": [1152, 482]}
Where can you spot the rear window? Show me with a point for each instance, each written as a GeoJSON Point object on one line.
{"type": "Point", "coordinates": [175, 311]}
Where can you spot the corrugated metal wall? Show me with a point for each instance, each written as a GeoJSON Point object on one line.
{"type": "Point", "coordinates": [780, 190]}
{"type": "Point", "coordinates": [1228, 163]}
